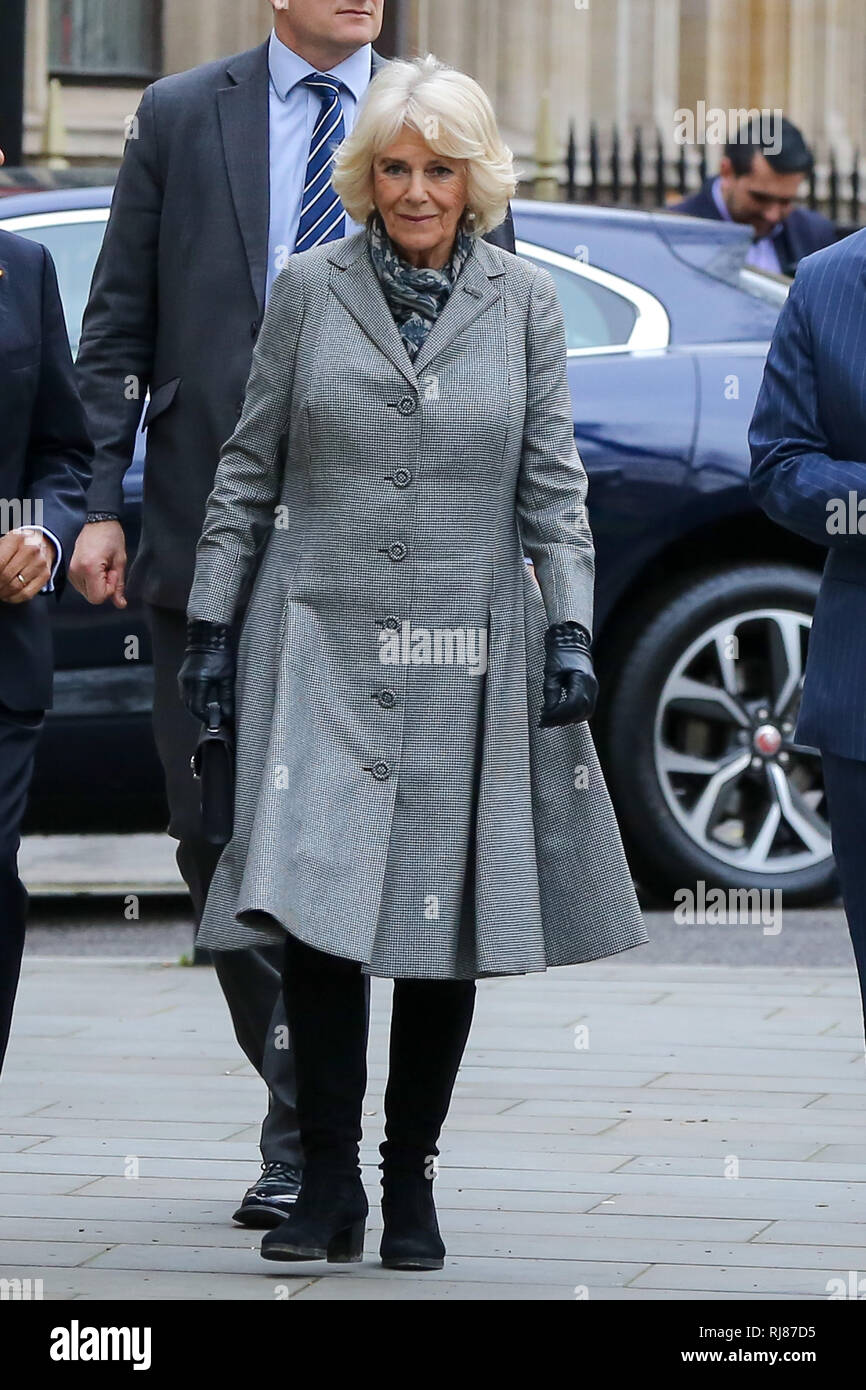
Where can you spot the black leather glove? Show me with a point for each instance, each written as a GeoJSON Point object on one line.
{"type": "Point", "coordinates": [208, 670]}
{"type": "Point", "coordinates": [570, 686]}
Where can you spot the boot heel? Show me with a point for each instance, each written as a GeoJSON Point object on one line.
{"type": "Point", "coordinates": [347, 1246]}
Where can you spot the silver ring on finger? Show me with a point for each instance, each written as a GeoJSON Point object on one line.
{"type": "Point", "coordinates": [21, 579]}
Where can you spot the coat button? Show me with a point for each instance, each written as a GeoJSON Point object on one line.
{"type": "Point", "coordinates": [387, 699]}
{"type": "Point", "coordinates": [239, 408]}
{"type": "Point", "coordinates": [401, 477]}
{"type": "Point", "coordinates": [381, 772]}
{"type": "Point", "coordinates": [407, 405]}
{"type": "Point", "coordinates": [391, 623]}
{"type": "Point", "coordinates": [254, 328]}
{"type": "Point", "coordinates": [397, 551]}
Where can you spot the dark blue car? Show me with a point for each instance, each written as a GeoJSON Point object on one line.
{"type": "Point", "coordinates": [703, 605]}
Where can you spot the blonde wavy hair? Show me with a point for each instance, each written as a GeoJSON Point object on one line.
{"type": "Point", "coordinates": [452, 113]}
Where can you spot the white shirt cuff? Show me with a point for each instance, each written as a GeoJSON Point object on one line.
{"type": "Point", "coordinates": [49, 587]}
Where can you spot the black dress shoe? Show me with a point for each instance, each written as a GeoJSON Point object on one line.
{"type": "Point", "coordinates": [410, 1239]}
{"type": "Point", "coordinates": [269, 1201]}
{"type": "Point", "coordinates": [327, 1221]}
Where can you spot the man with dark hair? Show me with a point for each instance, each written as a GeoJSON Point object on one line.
{"type": "Point", "coordinates": [759, 181]}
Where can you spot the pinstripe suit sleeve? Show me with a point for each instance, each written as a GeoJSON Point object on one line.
{"type": "Point", "coordinates": [552, 484]}
{"type": "Point", "coordinates": [248, 480]}
{"type": "Point", "coordinates": [793, 475]}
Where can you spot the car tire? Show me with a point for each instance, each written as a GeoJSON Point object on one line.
{"type": "Point", "coordinates": [648, 728]}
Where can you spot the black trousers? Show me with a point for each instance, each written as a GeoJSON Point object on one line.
{"type": "Point", "coordinates": [327, 1003]}
{"type": "Point", "coordinates": [19, 735]}
{"type": "Point", "coordinates": [845, 785]}
{"type": "Point", "coordinates": [250, 980]}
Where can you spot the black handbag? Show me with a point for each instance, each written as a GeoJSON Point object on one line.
{"type": "Point", "coordinates": [213, 764]}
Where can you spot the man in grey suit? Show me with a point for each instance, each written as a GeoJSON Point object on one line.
{"type": "Point", "coordinates": [213, 195]}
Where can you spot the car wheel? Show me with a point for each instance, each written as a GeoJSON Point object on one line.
{"type": "Point", "coordinates": [698, 737]}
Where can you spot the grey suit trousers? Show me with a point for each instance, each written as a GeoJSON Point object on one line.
{"type": "Point", "coordinates": [251, 980]}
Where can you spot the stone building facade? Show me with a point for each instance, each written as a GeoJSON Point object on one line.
{"type": "Point", "coordinates": [623, 62]}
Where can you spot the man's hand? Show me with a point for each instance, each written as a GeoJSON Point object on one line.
{"type": "Point", "coordinates": [98, 565]}
{"type": "Point", "coordinates": [26, 561]}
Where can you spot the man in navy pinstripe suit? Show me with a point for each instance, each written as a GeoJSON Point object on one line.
{"type": "Point", "coordinates": [808, 441]}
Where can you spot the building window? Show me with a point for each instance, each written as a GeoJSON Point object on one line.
{"type": "Point", "coordinates": [112, 40]}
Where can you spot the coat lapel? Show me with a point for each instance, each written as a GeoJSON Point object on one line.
{"type": "Point", "coordinates": [356, 285]}
{"type": "Point", "coordinates": [245, 128]}
{"type": "Point", "coordinates": [477, 288]}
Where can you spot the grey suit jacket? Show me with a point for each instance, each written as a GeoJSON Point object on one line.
{"type": "Point", "coordinates": [177, 302]}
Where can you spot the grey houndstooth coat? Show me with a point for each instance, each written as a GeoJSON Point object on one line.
{"type": "Point", "coordinates": [396, 803]}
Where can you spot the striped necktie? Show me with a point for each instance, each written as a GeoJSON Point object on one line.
{"type": "Point", "coordinates": [322, 215]}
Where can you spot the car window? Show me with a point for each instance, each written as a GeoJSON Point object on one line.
{"type": "Point", "coordinates": [595, 317]}
{"type": "Point", "coordinates": [74, 247]}
{"type": "Point", "coordinates": [764, 284]}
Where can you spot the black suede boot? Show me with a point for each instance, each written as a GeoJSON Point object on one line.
{"type": "Point", "coordinates": [430, 1024]}
{"type": "Point", "coordinates": [327, 1006]}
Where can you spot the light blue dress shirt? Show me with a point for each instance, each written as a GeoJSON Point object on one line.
{"type": "Point", "coordinates": [293, 112]}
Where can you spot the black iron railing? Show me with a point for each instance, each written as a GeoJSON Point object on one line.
{"type": "Point", "coordinates": [640, 171]}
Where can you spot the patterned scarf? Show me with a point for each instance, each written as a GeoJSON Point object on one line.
{"type": "Point", "coordinates": [415, 297]}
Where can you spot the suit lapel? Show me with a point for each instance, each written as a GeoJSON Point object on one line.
{"type": "Point", "coordinates": [788, 250]}
{"type": "Point", "coordinates": [245, 129]}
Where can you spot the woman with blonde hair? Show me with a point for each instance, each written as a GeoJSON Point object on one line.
{"type": "Point", "coordinates": [418, 796]}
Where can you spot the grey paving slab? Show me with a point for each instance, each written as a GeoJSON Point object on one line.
{"type": "Point", "coordinates": [27, 1184]}
{"type": "Point", "coordinates": [777, 1170]}
{"type": "Point", "coordinates": [117, 1229]}
{"type": "Point", "coordinates": [855, 1103]}
{"type": "Point", "coordinates": [432, 1289]}
{"type": "Point", "coordinates": [135, 1164]}
{"type": "Point", "coordinates": [597, 1099]}
{"type": "Point", "coordinates": [120, 1208]}
{"type": "Point", "coordinates": [841, 1153]}
{"type": "Point", "coordinates": [193, 1149]}
{"type": "Point", "coordinates": [37, 1125]}
{"type": "Point", "coordinates": [850, 1082]}
{"type": "Point", "coordinates": [814, 1133]}
{"type": "Point", "coordinates": [64, 863]}
{"type": "Point", "coordinates": [766, 1204]}
{"type": "Point", "coordinates": [45, 1253]}
{"type": "Point", "coordinates": [215, 1188]}
{"type": "Point", "coordinates": [518, 1147]}
{"type": "Point", "coordinates": [837, 1233]}
{"type": "Point", "coordinates": [14, 1143]}
{"type": "Point", "coordinates": [134, 1286]}
{"type": "Point", "coordinates": [686, 1111]}
{"type": "Point", "coordinates": [805, 1282]}
{"type": "Point", "coordinates": [563, 1273]}
{"type": "Point", "coordinates": [565, 1173]}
